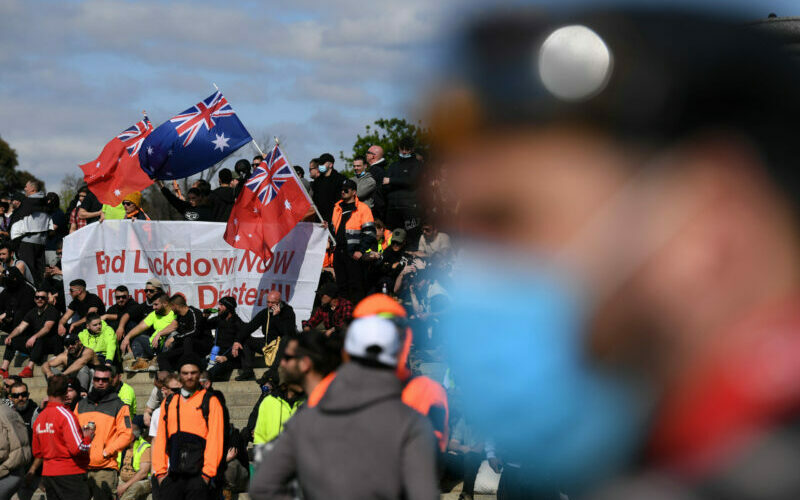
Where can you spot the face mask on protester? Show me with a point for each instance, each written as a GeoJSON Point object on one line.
{"type": "Point", "coordinates": [323, 169]}
{"type": "Point", "coordinates": [405, 155]}
{"type": "Point", "coordinates": [137, 433]}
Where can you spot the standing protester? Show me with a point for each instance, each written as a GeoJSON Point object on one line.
{"type": "Point", "coordinates": [8, 259]}
{"type": "Point", "coordinates": [224, 196]}
{"type": "Point", "coordinates": [399, 187]}
{"type": "Point", "coordinates": [132, 204]}
{"type": "Point", "coordinates": [125, 392]}
{"type": "Point", "coordinates": [367, 186]}
{"type": "Point", "coordinates": [305, 182]}
{"type": "Point", "coordinates": [275, 410]}
{"type": "Point", "coordinates": [112, 420]}
{"type": "Point", "coordinates": [62, 445]}
{"type": "Point", "coordinates": [327, 187]}
{"type": "Point", "coordinates": [35, 336]}
{"type": "Point", "coordinates": [83, 303]}
{"type": "Point", "coordinates": [196, 207]}
{"type": "Point", "coordinates": [30, 225]}
{"type": "Point", "coordinates": [16, 299]}
{"type": "Point", "coordinates": [188, 448]}
{"type": "Point", "coordinates": [187, 335]}
{"type": "Point", "coordinates": [361, 415]}
{"type": "Point", "coordinates": [229, 326]}
{"type": "Point", "coordinates": [15, 451]}
{"type": "Point", "coordinates": [377, 169]}
{"type": "Point", "coordinates": [74, 361]}
{"type": "Point", "coordinates": [354, 231]}
{"type": "Point", "coordinates": [311, 360]}
{"type": "Point", "coordinates": [276, 322]}
{"type": "Point", "coordinates": [26, 407]}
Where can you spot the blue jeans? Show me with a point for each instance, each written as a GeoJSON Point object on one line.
{"type": "Point", "coordinates": [140, 345]}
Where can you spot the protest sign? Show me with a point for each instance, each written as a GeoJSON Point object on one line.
{"type": "Point", "coordinates": [191, 258]}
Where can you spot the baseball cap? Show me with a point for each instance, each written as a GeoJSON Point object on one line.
{"type": "Point", "coordinates": [399, 235]}
{"type": "Point", "coordinates": [374, 338]}
{"type": "Point", "coordinates": [70, 339]}
{"type": "Point", "coordinates": [349, 184]}
{"type": "Point", "coordinates": [155, 283]}
{"type": "Point", "coordinates": [329, 289]}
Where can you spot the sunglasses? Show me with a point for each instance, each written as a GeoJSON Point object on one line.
{"type": "Point", "coordinates": [149, 290]}
{"type": "Point", "coordinates": [101, 379]}
{"type": "Point", "coordinates": [127, 203]}
{"type": "Point", "coordinates": [289, 357]}
{"type": "Point", "coordinates": [120, 297]}
{"type": "Point", "coordinates": [40, 297]}
{"type": "Point", "coordinates": [16, 395]}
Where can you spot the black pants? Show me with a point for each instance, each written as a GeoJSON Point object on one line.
{"type": "Point", "coordinates": [33, 256]}
{"type": "Point", "coordinates": [197, 346]}
{"type": "Point", "coordinates": [38, 353]}
{"type": "Point", "coordinates": [350, 276]}
{"type": "Point", "coordinates": [515, 484]}
{"type": "Point", "coordinates": [184, 488]}
{"type": "Point", "coordinates": [462, 467]}
{"type": "Point", "coordinates": [249, 348]}
{"type": "Point", "coordinates": [69, 487]}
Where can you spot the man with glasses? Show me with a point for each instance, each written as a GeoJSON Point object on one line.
{"type": "Point", "coordinates": [5, 389]}
{"type": "Point", "coordinates": [113, 432]}
{"type": "Point", "coordinates": [74, 361]}
{"type": "Point", "coordinates": [142, 347]}
{"type": "Point", "coordinates": [35, 336]}
{"type": "Point", "coordinates": [276, 322]}
{"type": "Point", "coordinates": [118, 316]}
{"type": "Point", "coordinates": [83, 303]}
{"type": "Point", "coordinates": [25, 406]}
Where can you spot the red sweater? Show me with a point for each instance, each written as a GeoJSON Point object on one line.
{"type": "Point", "coordinates": [58, 440]}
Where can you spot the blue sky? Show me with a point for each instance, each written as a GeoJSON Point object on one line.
{"type": "Point", "coordinates": [76, 73]}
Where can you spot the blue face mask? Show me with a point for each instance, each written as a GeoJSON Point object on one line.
{"type": "Point", "coordinates": [323, 169]}
{"type": "Point", "coordinates": [515, 343]}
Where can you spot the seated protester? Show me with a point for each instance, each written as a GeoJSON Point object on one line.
{"type": "Point", "coordinates": [53, 275]}
{"type": "Point", "coordinates": [432, 242]}
{"type": "Point", "coordinates": [134, 465]}
{"type": "Point", "coordinates": [8, 259]}
{"type": "Point", "coordinates": [118, 316]}
{"type": "Point", "coordinates": [132, 203]}
{"type": "Point", "coordinates": [334, 312]}
{"type": "Point", "coordinates": [154, 401]}
{"type": "Point", "coordinates": [123, 390]}
{"type": "Point", "coordinates": [464, 454]}
{"type": "Point", "coordinates": [35, 336]}
{"type": "Point", "coordinates": [152, 288]}
{"type": "Point", "coordinates": [395, 260]}
{"type": "Point", "coordinates": [144, 348]}
{"type": "Point", "coordinates": [24, 406]}
{"type": "Point", "coordinates": [275, 410]}
{"type": "Point", "coordinates": [195, 208]}
{"type": "Point", "coordinates": [16, 299]}
{"type": "Point", "coordinates": [187, 335]}
{"type": "Point", "coordinates": [100, 338]}
{"type": "Point", "coordinates": [75, 361]}
{"type": "Point", "coordinates": [228, 326]}
{"type": "Point", "coordinates": [82, 304]}
{"type": "Point", "coordinates": [55, 297]}
{"type": "Point", "coordinates": [264, 333]}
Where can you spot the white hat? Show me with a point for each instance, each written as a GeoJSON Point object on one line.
{"type": "Point", "coordinates": [367, 333]}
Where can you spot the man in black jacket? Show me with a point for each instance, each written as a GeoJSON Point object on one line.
{"type": "Point", "coordinates": [377, 169]}
{"type": "Point", "coordinates": [196, 207]}
{"type": "Point", "coordinates": [399, 185]}
{"type": "Point", "coordinates": [228, 326]}
{"type": "Point", "coordinates": [188, 335]}
{"type": "Point", "coordinates": [327, 187]}
{"type": "Point", "coordinates": [277, 323]}
{"type": "Point", "coordinates": [224, 196]}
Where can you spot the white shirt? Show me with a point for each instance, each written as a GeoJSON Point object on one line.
{"type": "Point", "coordinates": [155, 418]}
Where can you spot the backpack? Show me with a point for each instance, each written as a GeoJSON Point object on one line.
{"type": "Point", "coordinates": [226, 419]}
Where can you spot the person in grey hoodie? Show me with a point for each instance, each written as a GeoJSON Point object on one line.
{"type": "Point", "coordinates": [360, 440]}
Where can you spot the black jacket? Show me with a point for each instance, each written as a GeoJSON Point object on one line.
{"type": "Point", "coordinates": [327, 191]}
{"type": "Point", "coordinates": [222, 200]}
{"type": "Point", "coordinates": [279, 326]}
{"type": "Point", "coordinates": [200, 212]}
{"type": "Point", "coordinates": [228, 330]}
{"type": "Point", "coordinates": [403, 176]}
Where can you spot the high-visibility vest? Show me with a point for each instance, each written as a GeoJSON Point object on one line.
{"type": "Point", "coordinates": [139, 447]}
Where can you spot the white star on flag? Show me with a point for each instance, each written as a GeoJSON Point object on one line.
{"type": "Point", "coordinates": [255, 210]}
{"type": "Point", "coordinates": [249, 235]}
{"type": "Point", "coordinates": [235, 222]}
{"type": "Point", "coordinates": [287, 205]}
{"type": "Point", "coordinates": [237, 238]}
{"type": "Point", "coordinates": [98, 165]}
{"type": "Point", "coordinates": [149, 150]}
{"type": "Point", "coordinates": [117, 192]}
{"type": "Point", "coordinates": [221, 142]}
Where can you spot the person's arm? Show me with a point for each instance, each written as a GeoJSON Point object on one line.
{"type": "Point", "coordinates": [126, 342]}
{"type": "Point", "coordinates": [121, 326]}
{"type": "Point", "coordinates": [82, 321]}
{"type": "Point", "coordinates": [123, 434]}
{"type": "Point", "coordinates": [85, 214]}
{"type": "Point", "coordinates": [366, 187]}
{"type": "Point", "coordinates": [59, 360]}
{"type": "Point", "coordinates": [261, 431]}
{"type": "Point", "coordinates": [76, 441]}
{"type": "Point", "coordinates": [48, 325]}
{"type": "Point", "coordinates": [255, 323]}
{"type": "Point", "coordinates": [277, 470]}
{"type": "Point", "coordinates": [16, 331]}
{"type": "Point", "coordinates": [62, 323]}
{"type": "Point", "coordinates": [216, 431]}
{"type": "Point", "coordinates": [142, 473]}
{"type": "Point", "coordinates": [86, 357]}
{"type": "Point", "coordinates": [21, 266]}
{"type": "Point", "coordinates": [163, 333]}
{"type": "Point", "coordinates": [418, 462]}
{"type": "Point", "coordinates": [177, 203]}
{"type": "Point", "coordinates": [111, 342]}
{"type": "Point", "coordinates": [315, 319]}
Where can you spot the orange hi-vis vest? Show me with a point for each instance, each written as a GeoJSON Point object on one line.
{"type": "Point", "coordinates": [359, 223]}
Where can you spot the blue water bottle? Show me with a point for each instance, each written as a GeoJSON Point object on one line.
{"type": "Point", "coordinates": [213, 356]}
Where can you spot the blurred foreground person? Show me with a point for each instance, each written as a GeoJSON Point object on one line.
{"type": "Point", "coordinates": [360, 440]}
{"type": "Point", "coordinates": [640, 277]}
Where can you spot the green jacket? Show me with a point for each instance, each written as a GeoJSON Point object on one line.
{"type": "Point", "coordinates": [105, 343]}
{"type": "Point", "coordinates": [128, 396]}
{"type": "Point", "coordinates": [272, 415]}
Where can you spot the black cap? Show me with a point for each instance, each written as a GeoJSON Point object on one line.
{"type": "Point", "coordinates": [190, 359]}
{"type": "Point", "coordinates": [330, 289]}
{"type": "Point", "coordinates": [74, 384]}
{"type": "Point", "coordinates": [228, 302]}
{"type": "Point", "coordinates": [349, 184]}
{"type": "Point", "coordinates": [70, 339]}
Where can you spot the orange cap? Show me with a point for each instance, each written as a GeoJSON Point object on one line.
{"type": "Point", "coordinates": [379, 304]}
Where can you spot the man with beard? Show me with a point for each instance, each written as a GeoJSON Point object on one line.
{"type": "Point", "coordinates": [276, 322]}
{"type": "Point", "coordinates": [143, 347]}
{"type": "Point", "coordinates": [74, 361]}
{"type": "Point", "coordinates": [118, 316]}
{"type": "Point", "coordinates": [187, 335]}
{"type": "Point", "coordinates": [8, 260]}
{"type": "Point", "coordinates": [25, 406]}
{"type": "Point", "coordinates": [35, 336]}
{"type": "Point", "coordinates": [309, 360]}
{"type": "Point", "coordinates": [82, 304]}
{"type": "Point", "coordinates": [228, 326]}
{"type": "Point", "coordinates": [113, 433]}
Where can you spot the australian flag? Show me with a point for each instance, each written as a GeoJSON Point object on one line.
{"type": "Point", "coordinates": [194, 140]}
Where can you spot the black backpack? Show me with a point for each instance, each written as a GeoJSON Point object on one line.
{"type": "Point", "coordinates": [226, 419]}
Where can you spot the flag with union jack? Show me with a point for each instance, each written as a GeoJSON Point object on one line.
{"type": "Point", "coordinates": [271, 204]}
{"type": "Point", "coordinates": [193, 140]}
{"type": "Point", "coordinates": [116, 172]}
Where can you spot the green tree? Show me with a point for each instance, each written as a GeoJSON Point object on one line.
{"type": "Point", "coordinates": [387, 133]}
{"type": "Point", "coordinates": [69, 188]}
{"type": "Point", "coordinates": [11, 179]}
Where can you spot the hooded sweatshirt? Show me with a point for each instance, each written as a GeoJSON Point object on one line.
{"type": "Point", "coordinates": [360, 441]}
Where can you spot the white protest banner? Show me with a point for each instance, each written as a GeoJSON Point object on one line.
{"type": "Point", "coordinates": [192, 258]}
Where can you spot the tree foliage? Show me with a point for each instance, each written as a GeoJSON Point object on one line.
{"type": "Point", "coordinates": [387, 133]}
{"type": "Point", "coordinates": [11, 179]}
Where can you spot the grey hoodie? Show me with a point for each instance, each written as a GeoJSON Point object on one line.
{"type": "Point", "coordinates": [360, 442]}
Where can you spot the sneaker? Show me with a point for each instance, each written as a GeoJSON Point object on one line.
{"type": "Point", "coordinates": [245, 375]}
{"type": "Point", "coordinates": [26, 372]}
{"type": "Point", "coordinates": [140, 364]}
{"type": "Point", "coordinates": [153, 365]}
{"type": "Point", "coordinates": [4, 373]}
{"type": "Point", "coordinates": [128, 356]}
